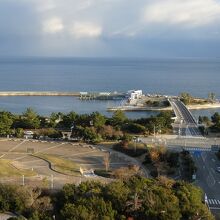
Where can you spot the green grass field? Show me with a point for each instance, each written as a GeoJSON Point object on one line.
{"type": "Point", "coordinates": [61, 165]}
{"type": "Point", "coordinates": [7, 170]}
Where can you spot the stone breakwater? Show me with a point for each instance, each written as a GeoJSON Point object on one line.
{"type": "Point", "coordinates": [38, 93]}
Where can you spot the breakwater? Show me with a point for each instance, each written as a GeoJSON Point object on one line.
{"type": "Point", "coordinates": [38, 93]}
{"type": "Point", "coordinates": [81, 95]}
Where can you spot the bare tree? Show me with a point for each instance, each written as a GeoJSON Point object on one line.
{"type": "Point", "coordinates": [106, 161]}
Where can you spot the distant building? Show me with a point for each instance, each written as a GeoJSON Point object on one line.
{"type": "Point", "coordinates": [134, 94]}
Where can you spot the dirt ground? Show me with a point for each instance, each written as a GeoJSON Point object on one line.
{"type": "Point", "coordinates": [22, 156]}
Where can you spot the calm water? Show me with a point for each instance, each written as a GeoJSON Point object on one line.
{"type": "Point", "coordinates": [198, 77]}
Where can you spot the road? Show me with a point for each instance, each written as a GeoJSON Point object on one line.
{"type": "Point", "coordinates": [199, 142]}
{"type": "Point", "coordinates": [208, 178]}
{"type": "Point", "coordinates": [185, 124]}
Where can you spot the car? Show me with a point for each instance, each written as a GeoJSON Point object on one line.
{"type": "Point", "coordinates": [218, 169]}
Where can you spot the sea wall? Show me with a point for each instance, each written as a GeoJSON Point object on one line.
{"type": "Point", "coordinates": [38, 93]}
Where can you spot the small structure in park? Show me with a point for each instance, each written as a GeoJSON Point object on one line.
{"type": "Point", "coordinates": [87, 173]}
{"type": "Point", "coordinates": [66, 134]}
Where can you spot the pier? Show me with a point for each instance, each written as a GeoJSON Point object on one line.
{"type": "Point", "coordinates": [81, 95]}
{"type": "Point", "coordinates": [102, 96]}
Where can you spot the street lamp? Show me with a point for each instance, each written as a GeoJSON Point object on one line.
{"type": "Point", "coordinates": [135, 145]}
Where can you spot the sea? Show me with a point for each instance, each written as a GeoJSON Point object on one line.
{"type": "Point", "coordinates": [154, 76]}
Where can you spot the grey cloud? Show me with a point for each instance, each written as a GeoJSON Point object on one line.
{"type": "Point", "coordinates": [106, 28]}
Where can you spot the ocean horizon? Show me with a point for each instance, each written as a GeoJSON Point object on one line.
{"type": "Point", "coordinates": [155, 76]}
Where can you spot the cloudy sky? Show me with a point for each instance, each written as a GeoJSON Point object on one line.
{"type": "Point", "coordinates": [135, 28]}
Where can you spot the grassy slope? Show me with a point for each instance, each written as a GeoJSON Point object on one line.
{"type": "Point", "coordinates": [61, 165]}
{"type": "Point", "coordinates": [6, 170]}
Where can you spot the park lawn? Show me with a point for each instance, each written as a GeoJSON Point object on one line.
{"type": "Point", "coordinates": [8, 170]}
{"type": "Point", "coordinates": [61, 165]}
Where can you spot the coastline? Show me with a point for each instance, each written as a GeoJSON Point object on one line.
{"type": "Point", "coordinates": [139, 108]}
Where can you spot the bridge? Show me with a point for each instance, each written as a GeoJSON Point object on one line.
{"type": "Point", "coordinates": [185, 124]}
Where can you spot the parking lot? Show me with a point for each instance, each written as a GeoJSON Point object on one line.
{"type": "Point", "coordinates": [30, 155]}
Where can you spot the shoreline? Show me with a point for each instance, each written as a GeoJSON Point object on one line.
{"type": "Point", "coordinates": [138, 108]}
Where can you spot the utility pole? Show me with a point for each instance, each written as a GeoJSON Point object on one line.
{"type": "Point", "coordinates": [179, 131]}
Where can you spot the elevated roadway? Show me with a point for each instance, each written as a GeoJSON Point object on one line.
{"type": "Point", "coordinates": [185, 124]}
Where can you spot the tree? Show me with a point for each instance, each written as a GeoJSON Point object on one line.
{"type": "Point", "coordinates": [68, 120]}
{"type": "Point", "coordinates": [6, 121]}
{"type": "Point", "coordinates": [106, 161]}
{"type": "Point", "coordinates": [216, 118]}
{"type": "Point", "coordinates": [55, 118]}
{"type": "Point", "coordinates": [109, 133]}
{"type": "Point", "coordinates": [118, 118]}
{"type": "Point", "coordinates": [19, 132]}
{"type": "Point", "coordinates": [125, 140]}
{"type": "Point", "coordinates": [87, 134]}
{"type": "Point", "coordinates": [30, 119]}
{"type": "Point", "coordinates": [98, 120]}
{"type": "Point", "coordinates": [216, 122]}
{"type": "Point", "coordinates": [117, 192]}
{"type": "Point", "coordinates": [12, 198]}
{"type": "Point", "coordinates": [76, 212]}
{"type": "Point", "coordinates": [190, 201]}
{"type": "Point", "coordinates": [134, 128]}
{"type": "Point", "coordinates": [186, 98]}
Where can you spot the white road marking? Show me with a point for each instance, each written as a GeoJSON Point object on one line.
{"type": "Point", "coordinates": [213, 202]}
{"type": "Point", "coordinates": [13, 148]}
{"type": "Point", "coordinates": [40, 151]}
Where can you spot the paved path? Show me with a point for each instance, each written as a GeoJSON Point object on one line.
{"type": "Point", "coordinates": [127, 158]}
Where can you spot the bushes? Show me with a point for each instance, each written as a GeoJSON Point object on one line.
{"type": "Point", "coordinates": [134, 197]}
{"type": "Point", "coordinates": [161, 154]}
{"type": "Point", "coordinates": [48, 132]}
{"type": "Point", "coordinates": [162, 161]}
{"type": "Point", "coordinates": [134, 128]}
{"type": "Point", "coordinates": [11, 199]}
{"type": "Point", "coordinates": [83, 126]}
{"type": "Point", "coordinates": [130, 148]}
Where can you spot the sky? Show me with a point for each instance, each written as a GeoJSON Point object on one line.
{"type": "Point", "coordinates": [110, 28]}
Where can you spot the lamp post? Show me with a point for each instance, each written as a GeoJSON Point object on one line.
{"type": "Point", "coordinates": [135, 144]}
